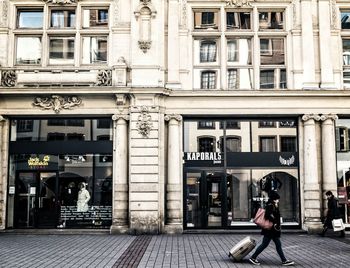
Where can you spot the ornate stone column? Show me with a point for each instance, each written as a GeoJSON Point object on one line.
{"type": "Point", "coordinates": [312, 203]}
{"type": "Point", "coordinates": [173, 187]}
{"type": "Point", "coordinates": [329, 162]}
{"type": "Point", "coordinates": [120, 174]}
{"type": "Point", "coordinates": [4, 142]}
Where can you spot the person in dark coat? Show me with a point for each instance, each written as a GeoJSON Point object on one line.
{"type": "Point", "coordinates": [332, 213]}
{"type": "Point", "coordinates": [272, 214]}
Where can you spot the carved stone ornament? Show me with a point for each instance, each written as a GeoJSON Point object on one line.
{"type": "Point", "coordinates": [57, 103]}
{"type": "Point", "coordinates": [116, 117]}
{"type": "Point", "coordinates": [104, 78]}
{"type": "Point", "coordinates": [307, 117]}
{"type": "Point", "coordinates": [177, 117]}
{"type": "Point", "coordinates": [8, 78]}
{"type": "Point", "coordinates": [333, 117]}
{"type": "Point", "coordinates": [145, 45]}
{"type": "Point", "coordinates": [61, 2]}
{"type": "Point", "coordinates": [144, 124]}
{"type": "Point", "coordinates": [239, 3]}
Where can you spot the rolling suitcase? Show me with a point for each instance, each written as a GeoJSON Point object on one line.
{"type": "Point", "coordinates": [243, 247]}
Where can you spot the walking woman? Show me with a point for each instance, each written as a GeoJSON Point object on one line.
{"type": "Point", "coordinates": [272, 214]}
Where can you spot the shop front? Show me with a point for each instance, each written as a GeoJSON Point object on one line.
{"type": "Point", "coordinates": [60, 173]}
{"type": "Point", "coordinates": [231, 165]}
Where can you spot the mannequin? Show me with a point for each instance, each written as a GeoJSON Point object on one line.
{"type": "Point", "coordinates": [83, 198]}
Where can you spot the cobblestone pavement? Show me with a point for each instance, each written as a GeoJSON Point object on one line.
{"type": "Point", "coordinates": [188, 250]}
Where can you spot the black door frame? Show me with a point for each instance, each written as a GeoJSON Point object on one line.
{"type": "Point", "coordinates": [203, 195]}
{"type": "Point", "coordinates": [36, 216]}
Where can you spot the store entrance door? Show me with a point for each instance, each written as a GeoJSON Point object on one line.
{"type": "Point", "coordinates": [205, 202]}
{"type": "Point", "coordinates": [36, 200]}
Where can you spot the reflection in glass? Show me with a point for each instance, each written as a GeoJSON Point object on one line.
{"type": "Point", "coordinates": [61, 50]}
{"type": "Point", "coordinates": [270, 20]}
{"type": "Point", "coordinates": [208, 80]}
{"type": "Point", "coordinates": [238, 20]}
{"type": "Point", "coordinates": [238, 51]}
{"type": "Point", "coordinates": [267, 144]}
{"type": "Point", "coordinates": [267, 78]}
{"type": "Point", "coordinates": [30, 19]}
{"type": "Point", "coordinates": [271, 51]}
{"type": "Point", "coordinates": [193, 216]}
{"type": "Point", "coordinates": [62, 18]}
{"type": "Point", "coordinates": [345, 19]}
{"type": "Point", "coordinates": [95, 18]}
{"type": "Point", "coordinates": [240, 78]}
{"type": "Point", "coordinates": [28, 50]}
{"type": "Point", "coordinates": [62, 129]}
{"type": "Point", "coordinates": [94, 50]}
{"type": "Point", "coordinates": [208, 51]}
{"type": "Point", "coordinates": [206, 19]}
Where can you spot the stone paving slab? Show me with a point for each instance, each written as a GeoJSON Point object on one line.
{"type": "Point", "coordinates": [187, 250]}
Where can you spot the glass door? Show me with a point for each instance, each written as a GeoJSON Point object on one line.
{"type": "Point", "coordinates": [205, 194]}
{"type": "Point", "coordinates": [36, 200]}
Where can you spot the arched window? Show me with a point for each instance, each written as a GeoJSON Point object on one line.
{"type": "Point", "coordinates": [206, 144]}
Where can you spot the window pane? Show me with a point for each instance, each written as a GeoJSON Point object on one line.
{"type": "Point", "coordinates": [271, 51]}
{"type": "Point", "coordinates": [283, 79]}
{"type": "Point", "coordinates": [232, 79]}
{"type": "Point", "coordinates": [62, 18]}
{"type": "Point", "coordinates": [270, 20]}
{"type": "Point", "coordinates": [346, 51]}
{"type": "Point", "coordinates": [208, 51]}
{"type": "Point", "coordinates": [94, 50]}
{"type": "Point", "coordinates": [30, 19]}
{"type": "Point", "coordinates": [233, 144]}
{"type": "Point", "coordinates": [28, 50]}
{"type": "Point", "coordinates": [288, 144]}
{"type": "Point", "coordinates": [267, 144]}
{"type": "Point", "coordinates": [206, 124]}
{"type": "Point", "coordinates": [238, 51]}
{"type": "Point", "coordinates": [208, 80]}
{"type": "Point", "coordinates": [61, 50]}
{"type": "Point", "coordinates": [267, 79]}
{"type": "Point", "coordinates": [345, 19]}
{"type": "Point", "coordinates": [206, 145]}
{"type": "Point", "coordinates": [238, 20]}
{"type": "Point", "coordinates": [205, 20]}
{"type": "Point", "coordinates": [95, 17]}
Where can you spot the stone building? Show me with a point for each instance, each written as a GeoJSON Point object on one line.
{"type": "Point", "coordinates": [149, 116]}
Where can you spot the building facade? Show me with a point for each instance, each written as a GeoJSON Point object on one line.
{"type": "Point", "coordinates": [148, 116]}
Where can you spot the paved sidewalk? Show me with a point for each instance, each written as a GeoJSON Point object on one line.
{"type": "Point", "coordinates": [187, 250]}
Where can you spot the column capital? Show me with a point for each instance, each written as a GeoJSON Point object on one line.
{"type": "Point", "coordinates": [307, 117]}
{"type": "Point", "coordinates": [116, 117]}
{"type": "Point", "coordinates": [333, 117]}
{"type": "Point", "coordinates": [177, 117]}
{"type": "Point", "coordinates": [2, 118]}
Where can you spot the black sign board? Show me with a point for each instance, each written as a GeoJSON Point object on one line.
{"type": "Point", "coordinates": [202, 159]}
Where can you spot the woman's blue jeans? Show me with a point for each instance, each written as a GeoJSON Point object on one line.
{"type": "Point", "coordinates": [265, 242]}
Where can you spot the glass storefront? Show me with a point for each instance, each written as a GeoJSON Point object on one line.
{"type": "Point", "coordinates": [343, 166]}
{"type": "Point", "coordinates": [60, 173]}
{"type": "Point", "coordinates": [230, 166]}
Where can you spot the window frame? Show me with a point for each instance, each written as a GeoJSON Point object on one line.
{"type": "Point", "coordinates": [202, 72]}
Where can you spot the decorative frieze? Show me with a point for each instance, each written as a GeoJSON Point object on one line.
{"type": "Point", "coordinates": [8, 78]}
{"type": "Point", "coordinates": [104, 78]}
{"type": "Point", "coordinates": [57, 103]}
{"type": "Point", "coordinates": [239, 3]}
{"type": "Point", "coordinates": [144, 122]}
{"type": "Point", "coordinates": [61, 2]}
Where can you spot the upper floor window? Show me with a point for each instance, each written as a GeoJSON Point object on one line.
{"type": "Point", "coordinates": [267, 123]}
{"type": "Point", "coordinates": [24, 125]}
{"type": "Point", "coordinates": [345, 19]}
{"type": "Point", "coordinates": [95, 17]}
{"type": "Point", "coordinates": [238, 20]}
{"type": "Point", "coordinates": [103, 123]}
{"type": "Point", "coordinates": [270, 20]}
{"type": "Point", "coordinates": [288, 144]}
{"type": "Point", "coordinates": [206, 124]}
{"type": "Point", "coordinates": [230, 124]}
{"type": "Point", "coordinates": [61, 50]}
{"type": "Point", "coordinates": [208, 51]}
{"type": "Point", "coordinates": [271, 51]}
{"type": "Point", "coordinates": [62, 19]}
{"type": "Point", "coordinates": [94, 49]}
{"type": "Point", "coordinates": [206, 144]}
{"type": "Point", "coordinates": [30, 18]}
{"type": "Point", "coordinates": [268, 144]}
{"type": "Point", "coordinates": [208, 80]}
{"type": "Point", "coordinates": [206, 19]}
{"type": "Point", "coordinates": [28, 50]}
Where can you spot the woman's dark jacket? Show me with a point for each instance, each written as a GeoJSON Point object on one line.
{"type": "Point", "coordinates": [332, 212]}
{"type": "Point", "coordinates": [272, 214]}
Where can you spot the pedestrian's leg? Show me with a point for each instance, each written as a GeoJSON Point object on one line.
{"type": "Point", "coordinates": [325, 228]}
{"type": "Point", "coordinates": [342, 233]}
{"type": "Point", "coordinates": [279, 248]}
{"type": "Point", "coordinates": [265, 242]}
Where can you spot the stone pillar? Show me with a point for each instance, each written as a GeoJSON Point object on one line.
{"type": "Point", "coordinates": [329, 162]}
{"type": "Point", "coordinates": [173, 187]}
{"type": "Point", "coordinates": [312, 204]}
{"type": "Point", "coordinates": [4, 142]}
{"type": "Point", "coordinates": [327, 77]}
{"type": "Point", "coordinates": [308, 52]}
{"type": "Point", "coordinates": [120, 174]}
{"type": "Point", "coordinates": [173, 45]}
